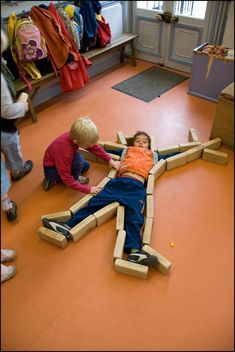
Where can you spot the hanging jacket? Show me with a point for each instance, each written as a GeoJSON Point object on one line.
{"type": "Point", "coordinates": [88, 13]}
{"type": "Point", "coordinates": [58, 44]}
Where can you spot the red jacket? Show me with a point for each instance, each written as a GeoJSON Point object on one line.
{"type": "Point", "coordinates": [60, 153]}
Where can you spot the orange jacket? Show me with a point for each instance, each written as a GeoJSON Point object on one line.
{"type": "Point", "coordinates": [137, 160]}
{"type": "Point", "coordinates": [57, 43]}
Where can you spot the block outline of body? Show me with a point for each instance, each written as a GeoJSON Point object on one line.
{"type": "Point", "coordinates": [193, 149]}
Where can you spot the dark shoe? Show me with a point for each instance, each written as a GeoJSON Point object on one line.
{"type": "Point", "coordinates": [47, 184]}
{"type": "Point", "coordinates": [23, 171]}
{"type": "Point", "coordinates": [142, 257]}
{"type": "Point", "coordinates": [12, 213]}
{"type": "Point", "coordinates": [83, 180]}
{"type": "Point", "coordinates": [57, 227]}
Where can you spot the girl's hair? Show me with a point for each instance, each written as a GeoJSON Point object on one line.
{"type": "Point", "coordinates": [84, 131]}
{"type": "Point", "coordinates": [142, 133]}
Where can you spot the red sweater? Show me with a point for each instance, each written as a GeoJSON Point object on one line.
{"type": "Point", "coordinates": [60, 153]}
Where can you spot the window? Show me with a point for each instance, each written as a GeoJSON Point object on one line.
{"type": "Point", "coordinates": [194, 9]}
{"type": "Point", "coordinates": [150, 5]}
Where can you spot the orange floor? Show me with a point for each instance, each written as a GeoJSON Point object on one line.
{"type": "Point", "coordinates": [72, 299]}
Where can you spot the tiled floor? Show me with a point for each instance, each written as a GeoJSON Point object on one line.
{"type": "Point", "coordinates": [72, 299]}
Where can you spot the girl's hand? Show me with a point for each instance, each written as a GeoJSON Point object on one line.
{"type": "Point", "coordinates": [95, 189]}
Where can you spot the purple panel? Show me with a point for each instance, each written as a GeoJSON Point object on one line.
{"type": "Point", "coordinates": [220, 76]}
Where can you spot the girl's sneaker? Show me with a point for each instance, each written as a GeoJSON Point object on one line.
{"type": "Point", "coordinates": [142, 257]}
{"type": "Point", "coordinates": [57, 227]}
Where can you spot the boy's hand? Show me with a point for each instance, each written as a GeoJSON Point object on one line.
{"type": "Point", "coordinates": [114, 164]}
{"type": "Point", "coordinates": [95, 189]}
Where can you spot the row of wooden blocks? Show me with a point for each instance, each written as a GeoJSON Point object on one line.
{"type": "Point", "coordinates": [96, 219]}
{"type": "Point", "coordinates": [189, 151]}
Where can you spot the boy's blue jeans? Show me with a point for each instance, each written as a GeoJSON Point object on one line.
{"type": "Point", "coordinates": [5, 181]}
{"type": "Point", "coordinates": [128, 192]}
{"type": "Point", "coordinates": [10, 147]}
{"type": "Point", "coordinates": [79, 166]}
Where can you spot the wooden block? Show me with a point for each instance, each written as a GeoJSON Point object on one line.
{"type": "Point", "coordinates": [192, 135]}
{"type": "Point", "coordinates": [81, 203]}
{"type": "Point", "coordinates": [121, 138]}
{"type": "Point", "coordinates": [168, 149]}
{"type": "Point", "coordinates": [163, 265]}
{"type": "Point", "coordinates": [176, 160]}
{"type": "Point", "coordinates": [87, 155]}
{"type": "Point", "coordinates": [83, 227]}
{"type": "Point", "coordinates": [147, 230]}
{"type": "Point", "coordinates": [106, 213]}
{"type": "Point", "coordinates": [120, 218]}
{"type": "Point", "coordinates": [103, 182]}
{"type": "Point", "coordinates": [112, 173]}
{"type": "Point", "coordinates": [119, 245]}
{"type": "Point", "coordinates": [223, 125]}
{"type": "Point", "coordinates": [114, 146]}
{"type": "Point", "coordinates": [129, 268]}
{"type": "Point", "coordinates": [152, 145]}
{"type": "Point", "coordinates": [194, 153]}
{"type": "Point", "coordinates": [213, 143]}
{"type": "Point", "coordinates": [149, 206]}
{"type": "Point", "coordinates": [52, 237]}
{"type": "Point", "coordinates": [129, 140]}
{"type": "Point", "coordinates": [150, 184]}
{"type": "Point", "coordinates": [61, 216]}
{"type": "Point", "coordinates": [214, 156]}
{"type": "Point", "coordinates": [101, 143]}
{"type": "Point", "coordinates": [189, 145]}
{"type": "Point", "coordinates": [158, 169]}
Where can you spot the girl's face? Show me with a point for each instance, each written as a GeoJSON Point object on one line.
{"type": "Point", "coordinates": [141, 141]}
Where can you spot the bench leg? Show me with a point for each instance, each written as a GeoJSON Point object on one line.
{"type": "Point", "coordinates": [122, 54]}
{"type": "Point", "coordinates": [31, 110]}
{"type": "Point", "coordinates": [133, 53]}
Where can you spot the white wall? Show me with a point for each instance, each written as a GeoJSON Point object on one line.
{"type": "Point", "coordinates": [228, 38]}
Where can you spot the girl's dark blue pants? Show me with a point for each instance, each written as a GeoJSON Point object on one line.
{"type": "Point", "coordinates": [79, 166]}
{"type": "Point", "coordinates": [128, 192]}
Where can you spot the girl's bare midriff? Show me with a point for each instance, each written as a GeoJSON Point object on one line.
{"type": "Point", "coordinates": [134, 175]}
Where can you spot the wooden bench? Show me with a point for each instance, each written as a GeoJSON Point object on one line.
{"type": "Point", "coordinates": [117, 44]}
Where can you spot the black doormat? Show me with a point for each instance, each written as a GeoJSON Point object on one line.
{"type": "Point", "coordinates": [150, 84]}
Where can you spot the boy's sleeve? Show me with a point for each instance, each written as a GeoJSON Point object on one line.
{"type": "Point", "coordinates": [100, 152]}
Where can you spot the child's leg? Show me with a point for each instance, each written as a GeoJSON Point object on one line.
{"type": "Point", "coordinates": [134, 221]}
{"type": "Point", "coordinates": [103, 198]}
{"type": "Point", "coordinates": [79, 165]}
{"type": "Point", "coordinates": [51, 173]}
{"type": "Point", "coordinates": [10, 147]}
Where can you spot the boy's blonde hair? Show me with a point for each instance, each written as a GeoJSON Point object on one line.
{"type": "Point", "coordinates": [84, 131]}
